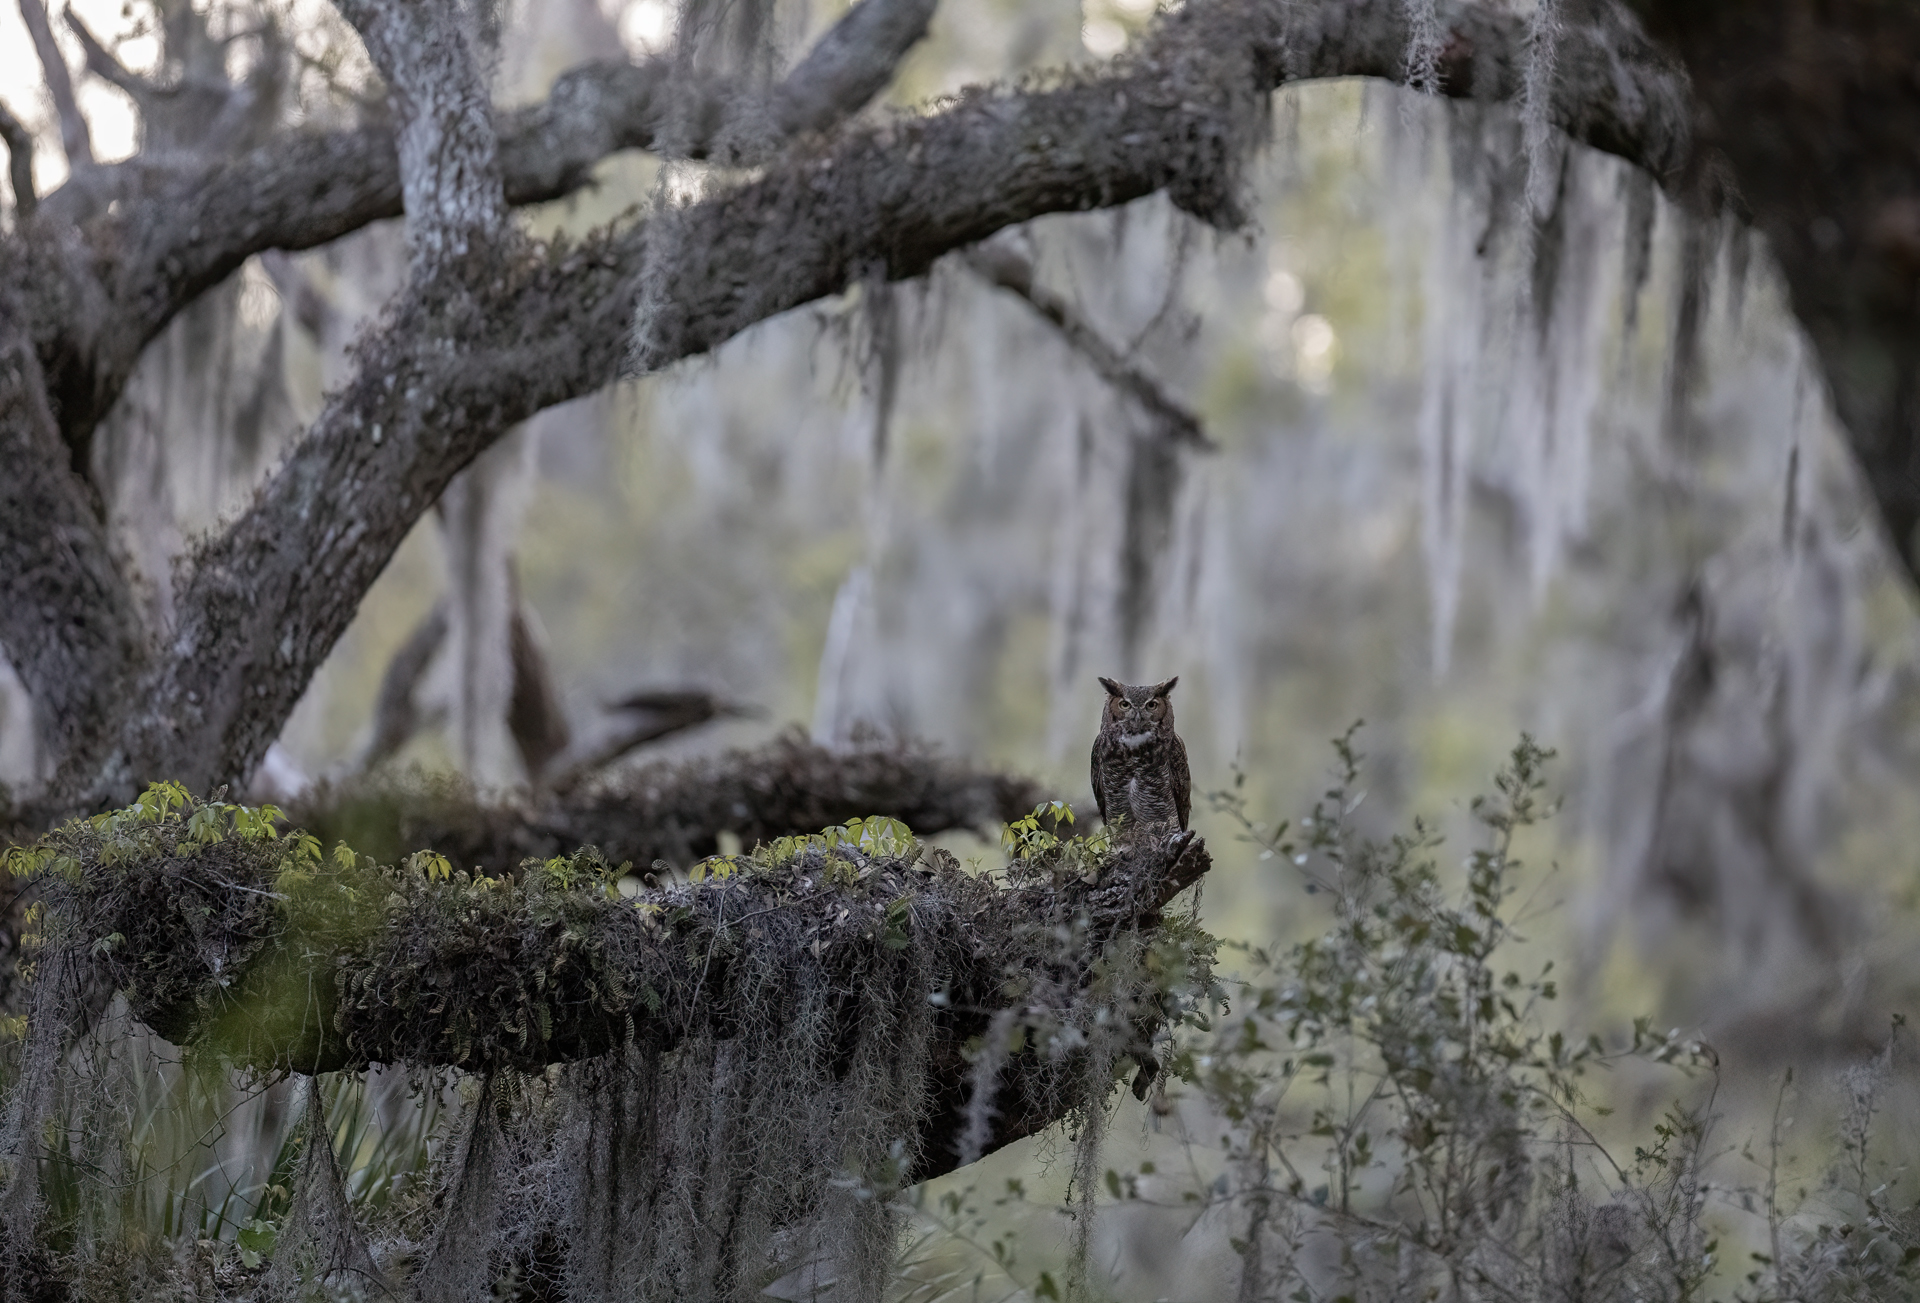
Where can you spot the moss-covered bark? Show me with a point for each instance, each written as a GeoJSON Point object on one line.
{"type": "Point", "coordinates": [672, 811]}
{"type": "Point", "coordinates": [270, 954]}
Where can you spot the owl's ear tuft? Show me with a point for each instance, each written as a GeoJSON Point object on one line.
{"type": "Point", "coordinates": [1162, 689]}
{"type": "Point", "coordinates": [1113, 689]}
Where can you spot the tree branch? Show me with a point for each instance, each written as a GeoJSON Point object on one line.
{"type": "Point", "coordinates": [102, 63]}
{"type": "Point", "coordinates": [67, 619]}
{"type": "Point", "coordinates": [179, 226]}
{"type": "Point", "coordinates": [74, 137]}
{"type": "Point", "coordinates": [1011, 270]}
{"type": "Point", "coordinates": [396, 708]}
{"type": "Point", "coordinates": [849, 65]}
{"type": "Point", "coordinates": [1614, 88]}
{"type": "Point", "coordinates": [669, 810]}
{"type": "Point", "coordinates": [19, 142]}
{"type": "Point", "coordinates": [449, 157]}
{"type": "Point", "coordinates": [275, 961]}
{"type": "Point", "coordinates": [454, 366]}
{"type": "Point", "coordinates": [447, 375]}
{"type": "Point", "coordinates": [182, 228]}
{"type": "Point", "coordinates": [644, 717]}
{"type": "Point", "coordinates": [536, 717]}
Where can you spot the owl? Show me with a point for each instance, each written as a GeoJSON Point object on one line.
{"type": "Point", "coordinates": [1139, 762]}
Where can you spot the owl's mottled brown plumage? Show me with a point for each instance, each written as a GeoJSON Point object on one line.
{"type": "Point", "coordinates": [1139, 762]}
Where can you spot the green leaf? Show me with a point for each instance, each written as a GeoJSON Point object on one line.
{"type": "Point", "coordinates": [256, 1240]}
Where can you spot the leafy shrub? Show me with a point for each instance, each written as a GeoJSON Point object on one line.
{"type": "Point", "coordinates": [1394, 1088]}
{"type": "Point", "coordinates": [1388, 1110]}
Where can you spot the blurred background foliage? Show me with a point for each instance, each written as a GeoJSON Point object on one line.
{"type": "Point", "coordinates": [1503, 443]}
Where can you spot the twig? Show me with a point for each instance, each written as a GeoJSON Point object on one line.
{"type": "Point", "coordinates": [102, 63]}
{"type": "Point", "coordinates": [1011, 270]}
{"type": "Point", "coordinates": [74, 137]}
{"type": "Point", "coordinates": [19, 163]}
{"type": "Point", "coordinates": [251, 891]}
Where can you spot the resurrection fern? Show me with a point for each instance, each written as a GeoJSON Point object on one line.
{"type": "Point", "coordinates": [877, 837]}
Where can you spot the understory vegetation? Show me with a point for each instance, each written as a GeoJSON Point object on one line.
{"type": "Point", "coordinates": [569, 1082]}
{"type": "Point", "coordinates": [1392, 1110]}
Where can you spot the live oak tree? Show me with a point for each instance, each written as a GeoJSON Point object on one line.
{"type": "Point", "coordinates": [1793, 117]}
{"type": "Point", "coordinates": [1787, 118]}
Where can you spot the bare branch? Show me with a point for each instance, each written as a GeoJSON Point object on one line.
{"type": "Point", "coordinates": [74, 137]}
{"type": "Point", "coordinates": [1007, 268]}
{"type": "Point", "coordinates": [102, 62]}
{"type": "Point", "coordinates": [851, 64]}
{"type": "Point", "coordinates": [672, 810]}
{"type": "Point", "coordinates": [19, 142]}
{"type": "Point", "coordinates": [449, 156]}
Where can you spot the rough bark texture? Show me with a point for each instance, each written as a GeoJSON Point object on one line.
{"type": "Point", "coordinates": [480, 340]}
{"type": "Point", "coordinates": [1815, 108]}
{"type": "Point", "coordinates": [70, 627]}
{"type": "Point", "coordinates": [248, 950]}
{"type": "Point", "coordinates": [449, 156]}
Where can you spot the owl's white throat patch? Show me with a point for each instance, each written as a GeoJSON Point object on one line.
{"type": "Point", "coordinates": [1134, 741]}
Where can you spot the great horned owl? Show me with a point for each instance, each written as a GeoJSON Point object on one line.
{"type": "Point", "coordinates": [1139, 762]}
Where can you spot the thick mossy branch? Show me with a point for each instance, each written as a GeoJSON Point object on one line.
{"type": "Point", "coordinates": [261, 951]}
{"type": "Point", "coordinates": [671, 810]}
